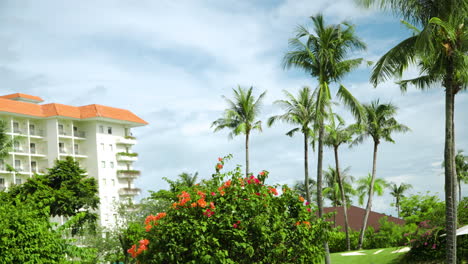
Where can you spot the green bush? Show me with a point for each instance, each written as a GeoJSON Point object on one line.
{"type": "Point", "coordinates": [389, 235]}
{"type": "Point", "coordinates": [337, 240]}
{"type": "Point", "coordinates": [231, 219]}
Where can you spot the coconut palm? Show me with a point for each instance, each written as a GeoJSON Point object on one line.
{"type": "Point", "coordinates": [337, 134]}
{"type": "Point", "coordinates": [332, 189]}
{"type": "Point", "coordinates": [379, 124]}
{"type": "Point", "coordinates": [240, 117]}
{"type": "Point", "coordinates": [299, 111]}
{"type": "Point", "coordinates": [438, 46]}
{"type": "Point", "coordinates": [299, 187]}
{"type": "Point", "coordinates": [5, 140]}
{"type": "Point", "coordinates": [364, 187]}
{"type": "Point", "coordinates": [323, 54]}
{"type": "Point", "coordinates": [185, 180]}
{"type": "Point", "coordinates": [398, 191]}
{"type": "Point", "coordinates": [461, 164]}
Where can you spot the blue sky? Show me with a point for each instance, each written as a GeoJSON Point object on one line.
{"type": "Point", "coordinates": [171, 61]}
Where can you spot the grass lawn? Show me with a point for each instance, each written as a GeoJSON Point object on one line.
{"type": "Point", "coordinates": [385, 256]}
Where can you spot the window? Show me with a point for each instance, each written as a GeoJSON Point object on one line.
{"type": "Point", "coordinates": [112, 164]}
{"type": "Point", "coordinates": [61, 147]}
{"type": "Point", "coordinates": [2, 181]}
{"type": "Point", "coordinates": [32, 129]}
{"type": "Point", "coordinates": [113, 182]}
{"type": "Point", "coordinates": [102, 147]}
{"type": "Point", "coordinates": [109, 130]}
{"type": "Point", "coordinates": [16, 127]}
{"type": "Point", "coordinates": [18, 181]}
{"type": "Point", "coordinates": [2, 165]}
{"type": "Point", "coordinates": [77, 150]}
{"type": "Point", "coordinates": [32, 146]}
{"type": "Point", "coordinates": [18, 165]}
{"type": "Point", "coordinates": [101, 129]}
{"type": "Point", "coordinates": [60, 129]}
{"type": "Point", "coordinates": [111, 147]}
{"type": "Point", "coordinates": [17, 146]}
{"type": "Point", "coordinates": [34, 166]}
{"type": "Point", "coordinates": [103, 164]}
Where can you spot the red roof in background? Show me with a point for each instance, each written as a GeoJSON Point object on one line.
{"type": "Point", "coordinates": [356, 216]}
{"type": "Point", "coordinates": [20, 95]}
{"type": "Point", "coordinates": [47, 110]}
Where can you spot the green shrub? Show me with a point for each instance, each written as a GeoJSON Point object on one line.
{"type": "Point", "coordinates": [231, 219]}
{"type": "Point", "coordinates": [337, 240]}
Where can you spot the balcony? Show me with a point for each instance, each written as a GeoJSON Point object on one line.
{"type": "Point", "coordinates": [79, 134]}
{"type": "Point", "coordinates": [125, 156]}
{"type": "Point", "coordinates": [36, 133]}
{"type": "Point", "coordinates": [129, 191]}
{"type": "Point", "coordinates": [128, 174]}
{"type": "Point", "coordinates": [128, 140]}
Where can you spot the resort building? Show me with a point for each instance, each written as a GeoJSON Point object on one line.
{"type": "Point", "coordinates": [98, 137]}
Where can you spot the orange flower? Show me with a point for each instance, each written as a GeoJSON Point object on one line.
{"type": "Point", "coordinates": [220, 159]}
{"type": "Point", "coordinates": [202, 203]}
{"type": "Point", "coordinates": [193, 205]}
{"type": "Point", "coordinates": [301, 199]}
{"type": "Point", "coordinates": [212, 206]}
{"type": "Point", "coordinates": [133, 251]}
{"type": "Point", "coordinates": [222, 192]}
{"type": "Point", "coordinates": [148, 228]}
{"type": "Point", "coordinates": [219, 166]}
{"type": "Point", "coordinates": [227, 183]}
{"type": "Point", "coordinates": [174, 205]}
{"type": "Point", "coordinates": [201, 194]}
{"type": "Point", "coordinates": [297, 223]}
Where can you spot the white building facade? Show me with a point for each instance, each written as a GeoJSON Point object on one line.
{"type": "Point", "coordinates": [98, 137]}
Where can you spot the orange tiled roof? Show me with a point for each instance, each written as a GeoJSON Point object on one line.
{"type": "Point", "coordinates": [20, 95]}
{"type": "Point", "coordinates": [82, 112]}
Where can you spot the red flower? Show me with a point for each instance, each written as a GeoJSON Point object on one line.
{"type": "Point", "coordinates": [208, 213]}
{"type": "Point", "coordinates": [212, 206]}
{"type": "Point", "coordinates": [220, 159]}
{"type": "Point", "coordinates": [262, 173]}
{"type": "Point", "coordinates": [308, 209]}
{"type": "Point", "coordinates": [234, 225]}
{"type": "Point", "coordinates": [213, 194]}
{"type": "Point", "coordinates": [219, 166]}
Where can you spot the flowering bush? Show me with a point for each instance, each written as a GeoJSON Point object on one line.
{"type": "Point", "coordinates": [426, 243]}
{"type": "Point", "coordinates": [233, 219]}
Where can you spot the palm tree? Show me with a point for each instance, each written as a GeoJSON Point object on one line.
{"type": "Point", "coordinates": [332, 189]}
{"type": "Point", "coordinates": [398, 193]}
{"type": "Point", "coordinates": [364, 187]}
{"type": "Point", "coordinates": [438, 46]}
{"type": "Point", "coordinates": [379, 124]}
{"type": "Point", "coordinates": [185, 180]}
{"type": "Point", "coordinates": [324, 56]}
{"type": "Point", "coordinates": [335, 135]}
{"type": "Point", "coordinates": [5, 140]}
{"type": "Point", "coordinates": [461, 164]}
{"type": "Point", "coordinates": [299, 111]}
{"type": "Point", "coordinates": [240, 117]}
{"type": "Point", "coordinates": [299, 187]}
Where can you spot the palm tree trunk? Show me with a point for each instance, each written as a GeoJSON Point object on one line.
{"type": "Point", "coordinates": [459, 191]}
{"type": "Point", "coordinates": [306, 167]}
{"type": "Point", "coordinates": [449, 156]}
{"type": "Point", "coordinates": [369, 201]}
{"type": "Point", "coordinates": [247, 154]}
{"type": "Point", "coordinates": [343, 198]}
{"type": "Point", "coordinates": [398, 207]}
{"type": "Point", "coordinates": [319, 186]}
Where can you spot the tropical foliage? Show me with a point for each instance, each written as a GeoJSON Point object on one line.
{"type": "Point", "coordinates": [233, 219]}
{"type": "Point", "coordinates": [398, 191]}
{"type": "Point", "coordinates": [241, 117]}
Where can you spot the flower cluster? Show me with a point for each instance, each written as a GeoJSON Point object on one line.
{"type": "Point", "coordinates": [208, 213]}
{"type": "Point", "coordinates": [134, 252]}
{"type": "Point", "coordinates": [152, 219]}
{"type": "Point", "coordinates": [236, 225]}
{"type": "Point", "coordinates": [306, 223]}
{"type": "Point", "coordinates": [221, 188]}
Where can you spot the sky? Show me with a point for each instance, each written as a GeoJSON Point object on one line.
{"type": "Point", "coordinates": [170, 62]}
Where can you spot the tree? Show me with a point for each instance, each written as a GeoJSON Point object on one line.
{"type": "Point", "coordinates": [379, 124]}
{"type": "Point", "coordinates": [332, 189]}
{"type": "Point", "coordinates": [185, 180]}
{"type": "Point", "coordinates": [300, 188]}
{"type": "Point", "coordinates": [398, 193]}
{"type": "Point", "coordinates": [336, 134]}
{"type": "Point", "coordinates": [324, 56]}
{"type": "Point", "coordinates": [240, 117]}
{"type": "Point", "coordinates": [420, 207]}
{"type": "Point", "coordinates": [438, 46]}
{"type": "Point", "coordinates": [299, 111]}
{"type": "Point", "coordinates": [461, 165]}
{"type": "Point", "coordinates": [363, 187]}
{"type": "Point", "coordinates": [65, 189]}
{"type": "Point", "coordinates": [5, 140]}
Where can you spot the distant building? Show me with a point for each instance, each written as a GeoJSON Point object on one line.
{"type": "Point", "coordinates": [96, 136]}
{"type": "Point", "coordinates": [356, 217]}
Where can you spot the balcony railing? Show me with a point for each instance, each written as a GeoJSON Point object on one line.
{"type": "Point", "coordinates": [37, 133]}
{"type": "Point", "coordinates": [80, 134]}
{"type": "Point", "coordinates": [126, 141]}
{"type": "Point", "coordinates": [128, 174]}
{"type": "Point", "coordinates": [129, 191]}
{"type": "Point", "coordinates": [124, 156]}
